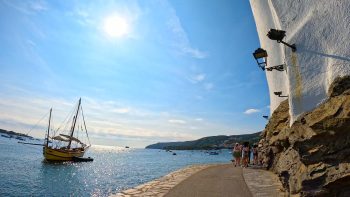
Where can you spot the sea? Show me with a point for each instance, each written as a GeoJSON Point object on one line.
{"type": "Point", "coordinates": [23, 171]}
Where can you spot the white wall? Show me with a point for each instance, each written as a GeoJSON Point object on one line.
{"type": "Point", "coordinates": [277, 81]}
{"type": "Point", "coordinates": [321, 31]}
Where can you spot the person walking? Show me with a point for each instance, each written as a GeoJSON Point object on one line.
{"type": "Point", "coordinates": [255, 154]}
{"type": "Point", "coordinates": [245, 153]}
{"type": "Point", "coordinates": [237, 154]}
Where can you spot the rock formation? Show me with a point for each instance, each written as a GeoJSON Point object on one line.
{"type": "Point", "coordinates": [312, 157]}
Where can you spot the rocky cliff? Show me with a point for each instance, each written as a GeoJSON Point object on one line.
{"type": "Point", "coordinates": [312, 157]}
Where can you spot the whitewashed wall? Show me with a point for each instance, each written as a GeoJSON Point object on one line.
{"type": "Point", "coordinates": [321, 31]}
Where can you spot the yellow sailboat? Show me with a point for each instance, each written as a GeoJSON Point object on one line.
{"type": "Point", "coordinates": [63, 147]}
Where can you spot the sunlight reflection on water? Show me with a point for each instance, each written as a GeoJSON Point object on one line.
{"type": "Point", "coordinates": [102, 148]}
{"type": "Point", "coordinates": [113, 169]}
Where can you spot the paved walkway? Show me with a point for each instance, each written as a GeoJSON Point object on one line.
{"type": "Point", "coordinates": [161, 186]}
{"type": "Point", "coordinates": [218, 180]}
{"type": "Point", "coordinates": [263, 183]}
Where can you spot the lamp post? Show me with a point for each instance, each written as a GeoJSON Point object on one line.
{"type": "Point", "coordinates": [278, 68]}
{"type": "Point", "coordinates": [260, 56]}
{"type": "Point", "coordinates": [278, 35]}
{"type": "Point", "coordinates": [279, 94]}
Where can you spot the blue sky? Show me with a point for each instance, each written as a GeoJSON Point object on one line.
{"type": "Point", "coordinates": [169, 71]}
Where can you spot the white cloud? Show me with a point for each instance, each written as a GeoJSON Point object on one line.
{"type": "Point", "coordinates": [176, 121]}
{"type": "Point", "coordinates": [142, 133]}
{"type": "Point", "coordinates": [198, 97]}
{"type": "Point", "coordinates": [196, 53]}
{"type": "Point", "coordinates": [104, 118]}
{"type": "Point", "coordinates": [251, 111]}
{"type": "Point", "coordinates": [33, 55]}
{"type": "Point", "coordinates": [82, 13]}
{"type": "Point", "coordinates": [199, 77]}
{"type": "Point", "coordinates": [22, 109]}
{"type": "Point", "coordinates": [31, 43]}
{"type": "Point", "coordinates": [208, 86]}
{"type": "Point", "coordinates": [39, 5]}
{"type": "Point", "coordinates": [181, 41]}
{"type": "Point", "coordinates": [28, 7]}
{"type": "Point", "coordinates": [121, 110]}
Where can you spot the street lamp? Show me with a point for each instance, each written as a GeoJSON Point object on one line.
{"type": "Point", "coordinates": [279, 94]}
{"type": "Point", "coordinates": [278, 68]}
{"type": "Point", "coordinates": [278, 35]}
{"type": "Point", "coordinates": [260, 56]}
{"type": "Point", "coordinates": [266, 117]}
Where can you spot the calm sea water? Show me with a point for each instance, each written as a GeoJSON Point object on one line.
{"type": "Point", "coordinates": [23, 172]}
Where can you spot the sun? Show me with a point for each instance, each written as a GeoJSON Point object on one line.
{"type": "Point", "coordinates": [115, 26]}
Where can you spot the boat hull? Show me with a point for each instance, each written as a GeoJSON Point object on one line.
{"type": "Point", "coordinates": [52, 154]}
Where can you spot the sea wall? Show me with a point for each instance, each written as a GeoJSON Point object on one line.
{"type": "Point", "coordinates": [321, 31]}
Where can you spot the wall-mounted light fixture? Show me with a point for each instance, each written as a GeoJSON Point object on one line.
{"type": "Point", "coordinates": [279, 94]}
{"type": "Point", "coordinates": [278, 68]}
{"type": "Point", "coordinates": [266, 117]}
{"type": "Point", "coordinates": [278, 35]}
{"type": "Point", "coordinates": [260, 56]}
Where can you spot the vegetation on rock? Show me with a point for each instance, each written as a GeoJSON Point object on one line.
{"type": "Point", "coordinates": [207, 143]}
{"type": "Point", "coordinates": [12, 133]}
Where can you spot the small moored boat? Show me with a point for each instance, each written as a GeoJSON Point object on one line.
{"type": "Point", "coordinates": [82, 159]}
{"type": "Point", "coordinates": [20, 138]}
{"type": "Point", "coordinates": [6, 136]}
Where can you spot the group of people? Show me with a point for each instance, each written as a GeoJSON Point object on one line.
{"type": "Point", "coordinates": [242, 153]}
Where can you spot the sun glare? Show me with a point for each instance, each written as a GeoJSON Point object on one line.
{"type": "Point", "coordinates": [115, 26]}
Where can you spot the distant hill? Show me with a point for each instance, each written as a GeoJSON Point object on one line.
{"type": "Point", "coordinates": [12, 133]}
{"type": "Point", "coordinates": [212, 142]}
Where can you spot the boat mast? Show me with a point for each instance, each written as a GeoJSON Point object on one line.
{"type": "Point", "coordinates": [48, 130]}
{"type": "Point", "coordinates": [73, 125]}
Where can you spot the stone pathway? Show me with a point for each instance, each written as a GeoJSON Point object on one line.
{"type": "Point", "coordinates": [218, 181]}
{"type": "Point", "coordinates": [161, 186]}
{"type": "Point", "coordinates": [263, 183]}
{"type": "Point", "coordinates": [259, 183]}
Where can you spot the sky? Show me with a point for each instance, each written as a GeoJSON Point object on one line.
{"type": "Point", "coordinates": [147, 71]}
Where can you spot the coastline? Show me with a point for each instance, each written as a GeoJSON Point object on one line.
{"type": "Point", "coordinates": [161, 186]}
